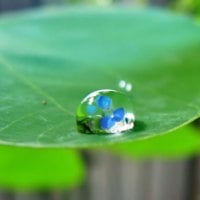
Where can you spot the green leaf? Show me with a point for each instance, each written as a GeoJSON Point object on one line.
{"type": "Point", "coordinates": [180, 143]}
{"type": "Point", "coordinates": [50, 59]}
{"type": "Point", "coordinates": [26, 168]}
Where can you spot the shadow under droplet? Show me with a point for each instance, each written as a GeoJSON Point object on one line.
{"type": "Point", "coordinates": [84, 127]}
{"type": "Point", "coordinates": [139, 126]}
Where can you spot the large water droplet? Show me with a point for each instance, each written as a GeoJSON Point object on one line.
{"type": "Point", "coordinates": [105, 111]}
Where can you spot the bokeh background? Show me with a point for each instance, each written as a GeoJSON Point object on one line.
{"type": "Point", "coordinates": [111, 177]}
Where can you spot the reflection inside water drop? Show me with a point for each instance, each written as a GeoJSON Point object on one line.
{"type": "Point", "coordinates": [105, 111]}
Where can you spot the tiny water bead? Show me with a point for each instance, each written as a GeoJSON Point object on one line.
{"type": "Point", "coordinates": [105, 111]}
{"type": "Point", "coordinates": [125, 85]}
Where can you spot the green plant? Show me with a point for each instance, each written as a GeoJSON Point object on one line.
{"type": "Point", "coordinates": [51, 58]}
{"type": "Point", "coordinates": [190, 6]}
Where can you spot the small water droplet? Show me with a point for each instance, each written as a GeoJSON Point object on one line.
{"type": "Point", "coordinates": [122, 84]}
{"type": "Point", "coordinates": [125, 85]}
{"type": "Point", "coordinates": [105, 111]}
{"type": "Point", "coordinates": [128, 87]}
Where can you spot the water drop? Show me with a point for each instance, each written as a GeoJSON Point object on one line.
{"type": "Point", "coordinates": [122, 84]}
{"type": "Point", "coordinates": [128, 87]}
{"type": "Point", "coordinates": [125, 85]}
{"type": "Point", "coordinates": [105, 111]}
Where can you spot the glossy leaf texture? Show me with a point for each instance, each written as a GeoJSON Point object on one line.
{"type": "Point", "coordinates": [30, 169]}
{"type": "Point", "coordinates": [50, 59]}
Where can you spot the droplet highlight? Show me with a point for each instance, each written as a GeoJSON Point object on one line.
{"type": "Point", "coordinates": [105, 111]}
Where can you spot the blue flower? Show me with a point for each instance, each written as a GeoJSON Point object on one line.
{"type": "Point", "coordinates": [118, 114]}
{"type": "Point", "coordinates": [91, 109]}
{"type": "Point", "coordinates": [107, 122]}
{"type": "Point", "coordinates": [104, 102]}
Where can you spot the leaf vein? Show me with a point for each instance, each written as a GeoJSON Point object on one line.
{"type": "Point", "coordinates": [32, 85]}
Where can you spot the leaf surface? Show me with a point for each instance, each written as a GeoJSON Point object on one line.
{"type": "Point", "coordinates": [51, 59]}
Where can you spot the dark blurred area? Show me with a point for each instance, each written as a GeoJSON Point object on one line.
{"type": "Point", "coordinates": [9, 5]}
{"type": "Point", "coordinates": [128, 179]}
{"type": "Point", "coordinates": [6, 5]}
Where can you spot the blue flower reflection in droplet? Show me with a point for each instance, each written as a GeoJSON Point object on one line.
{"type": "Point", "coordinates": [118, 114]}
{"type": "Point", "coordinates": [104, 102]}
{"type": "Point", "coordinates": [91, 109]}
{"type": "Point", "coordinates": [107, 122]}
{"type": "Point", "coordinates": [105, 112]}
